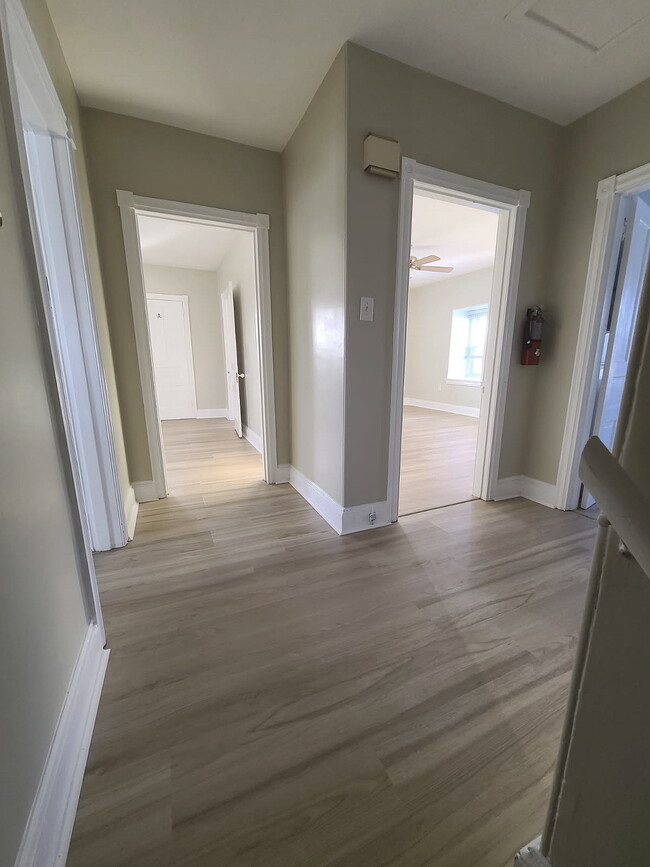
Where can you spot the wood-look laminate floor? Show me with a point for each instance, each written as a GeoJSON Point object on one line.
{"type": "Point", "coordinates": [279, 696]}
{"type": "Point", "coordinates": [438, 458]}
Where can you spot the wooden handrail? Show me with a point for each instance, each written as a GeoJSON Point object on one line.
{"type": "Point", "coordinates": [621, 502]}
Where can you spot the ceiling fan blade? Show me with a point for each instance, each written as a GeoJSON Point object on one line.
{"type": "Point", "coordinates": [437, 268]}
{"type": "Point", "coordinates": [425, 260]}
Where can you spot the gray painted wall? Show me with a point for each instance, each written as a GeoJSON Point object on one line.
{"type": "Point", "coordinates": [314, 165]}
{"type": "Point", "coordinates": [164, 162]}
{"type": "Point", "coordinates": [447, 126]}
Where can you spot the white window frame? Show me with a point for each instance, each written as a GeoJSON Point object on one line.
{"type": "Point", "coordinates": [132, 206]}
{"type": "Point", "coordinates": [512, 206]}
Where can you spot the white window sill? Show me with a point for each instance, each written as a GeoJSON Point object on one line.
{"type": "Point", "coordinates": [473, 383]}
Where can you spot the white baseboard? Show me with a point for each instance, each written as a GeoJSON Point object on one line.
{"type": "Point", "coordinates": [343, 520]}
{"type": "Point", "coordinates": [530, 856]}
{"type": "Point", "coordinates": [531, 489]}
{"type": "Point", "coordinates": [145, 492]}
{"type": "Point", "coordinates": [47, 834]}
{"type": "Point", "coordinates": [253, 438]}
{"type": "Point", "coordinates": [442, 407]}
{"type": "Point", "coordinates": [131, 512]}
{"type": "Point", "coordinates": [357, 518]}
{"type": "Point", "coordinates": [212, 413]}
{"type": "Point", "coordinates": [282, 474]}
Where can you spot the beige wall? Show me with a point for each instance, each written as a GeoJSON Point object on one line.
{"type": "Point", "coordinates": [449, 127]}
{"type": "Point", "coordinates": [429, 333]}
{"type": "Point", "coordinates": [159, 161]}
{"type": "Point", "coordinates": [610, 140]}
{"type": "Point", "coordinates": [238, 268]}
{"type": "Point", "coordinates": [206, 327]}
{"type": "Point", "coordinates": [42, 618]}
{"type": "Point", "coordinates": [314, 164]}
{"type": "Point", "coordinates": [48, 42]}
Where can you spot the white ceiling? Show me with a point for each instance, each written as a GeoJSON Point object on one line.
{"type": "Point", "coordinates": [246, 70]}
{"type": "Point", "coordinates": [464, 236]}
{"type": "Point", "coordinates": [180, 244]}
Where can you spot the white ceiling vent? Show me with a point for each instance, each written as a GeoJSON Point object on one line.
{"type": "Point", "coordinates": [591, 24]}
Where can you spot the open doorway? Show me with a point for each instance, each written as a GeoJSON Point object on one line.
{"type": "Point", "coordinates": [200, 286]}
{"type": "Point", "coordinates": [453, 246]}
{"type": "Point", "coordinates": [200, 295]}
{"type": "Point", "coordinates": [614, 298]}
{"type": "Point", "coordinates": [453, 332]}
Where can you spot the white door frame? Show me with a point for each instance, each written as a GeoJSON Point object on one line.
{"type": "Point", "coordinates": [185, 301]}
{"type": "Point", "coordinates": [513, 207]}
{"type": "Point", "coordinates": [81, 386]}
{"type": "Point", "coordinates": [600, 276]}
{"type": "Point", "coordinates": [131, 206]}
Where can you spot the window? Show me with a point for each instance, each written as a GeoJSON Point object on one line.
{"type": "Point", "coordinates": [467, 346]}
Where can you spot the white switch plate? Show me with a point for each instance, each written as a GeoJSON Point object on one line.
{"type": "Point", "coordinates": [367, 311]}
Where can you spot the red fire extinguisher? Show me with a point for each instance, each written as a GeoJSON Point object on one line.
{"type": "Point", "coordinates": [532, 348]}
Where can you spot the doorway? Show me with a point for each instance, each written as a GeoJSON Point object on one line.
{"type": "Point", "coordinates": [612, 326]}
{"type": "Point", "coordinates": [459, 253]}
{"type": "Point", "coordinates": [201, 304]}
{"type": "Point", "coordinates": [451, 265]}
{"type": "Point", "coordinates": [609, 332]}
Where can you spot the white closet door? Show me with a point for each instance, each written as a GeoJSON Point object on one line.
{"type": "Point", "coordinates": [171, 349]}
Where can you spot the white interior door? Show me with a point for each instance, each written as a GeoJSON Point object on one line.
{"type": "Point", "coordinates": [233, 375]}
{"type": "Point", "coordinates": [171, 350]}
{"type": "Point", "coordinates": [622, 318]}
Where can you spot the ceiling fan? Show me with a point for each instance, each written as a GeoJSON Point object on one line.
{"type": "Point", "coordinates": [416, 264]}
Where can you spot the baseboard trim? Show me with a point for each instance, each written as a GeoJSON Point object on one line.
{"type": "Point", "coordinates": [49, 828]}
{"type": "Point", "coordinates": [282, 474]}
{"type": "Point", "coordinates": [530, 856]}
{"type": "Point", "coordinates": [145, 492]}
{"type": "Point", "coordinates": [212, 413]}
{"type": "Point", "coordinates": [325, 505]}
{"type": "Point", "coordinates": [353, 519]}
{"type": "Point", "coordinates": [472, 411]}
{"type": "Point", "coordinates": [530, 489]}
{"type": "Point", "coordinates": [253, 438]}
{"type": "Point", "coordinates": [131, 512]}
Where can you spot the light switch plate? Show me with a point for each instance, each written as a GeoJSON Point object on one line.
{"type": "Point", "coordinates": [367, 310]}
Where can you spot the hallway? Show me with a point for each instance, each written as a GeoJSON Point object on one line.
{"type": "Point", "coordinates": [279, 696]}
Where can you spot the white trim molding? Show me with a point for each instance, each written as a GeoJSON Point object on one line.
{"type": "Point", "coordinates": [530, 489]}
{"type": "Point", "coordinates": [46, 838]}
{"type": "Point", "coordinates": [145, 492]}
{"type": "Point", "coordinates": [66, 304]}
{"type": "Point", "coordinates": [343, 520]}
{"type": "Point", "coordinates": [530, 856]}
{"type": "Point", "coordinates": [283, 474]}
{"type": "Point", "coordinates": [443, 407]}
{"type": "Point", "coordinates": [212, 413]}
{"type": "Point", "coordinates": [253, 438]}
{"type": "Point", "coordinates": [599, 282]}
{"type": "Point", "coordinates": [512, 207]}
{"type": "Point", "coordinates": [131, 510]}
{"type": "Point", "coordinates": [130, 207]}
